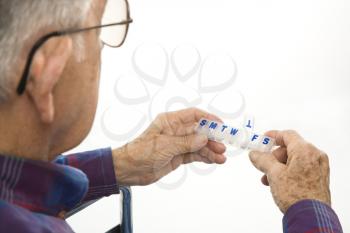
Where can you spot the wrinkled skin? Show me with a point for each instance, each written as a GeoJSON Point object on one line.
{"type": "Point", "coordinates": [167, 143]}
{"type": "Point", "coordinates": [295, 171]}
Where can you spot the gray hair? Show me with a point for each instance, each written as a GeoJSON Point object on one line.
{"type": "Point", "coordinates": [22, 19]}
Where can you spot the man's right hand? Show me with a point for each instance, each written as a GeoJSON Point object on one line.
{"type": "Point", "coordinates": [295, 171]}
{"type": "Point", "coordinates": [169, 142]}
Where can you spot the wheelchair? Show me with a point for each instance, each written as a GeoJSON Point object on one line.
{"type": "Point", "coordinates": [126, 211]}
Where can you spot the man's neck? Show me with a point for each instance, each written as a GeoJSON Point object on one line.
{"type": "Point", "coordinates": [21, 136]}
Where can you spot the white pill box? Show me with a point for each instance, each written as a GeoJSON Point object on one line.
{"type": "Point", "coordinates": [236, 136]}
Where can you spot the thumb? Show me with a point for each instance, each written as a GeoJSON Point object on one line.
{"type": "Point", "coordinates": [264, 162]}
{"type": "Point", "coordinates": [186, 144]}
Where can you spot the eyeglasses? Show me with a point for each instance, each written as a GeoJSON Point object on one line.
{"type": "Point", "coordinates": [114, 29]}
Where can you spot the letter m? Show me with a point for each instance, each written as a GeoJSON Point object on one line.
{"type": "Point", "coordinates": [213, 125]}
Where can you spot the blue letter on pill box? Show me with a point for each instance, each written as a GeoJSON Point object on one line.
{"type": "Point", "coordinates": [213, 125]}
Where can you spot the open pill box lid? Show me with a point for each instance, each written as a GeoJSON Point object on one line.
{"type": "Point", "coordinates": [236, 136]}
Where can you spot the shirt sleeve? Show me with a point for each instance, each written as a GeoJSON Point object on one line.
{"type": "Point", "coordinates": [98, 167]}
{"type": "Point", "coordinates": [311, 216]}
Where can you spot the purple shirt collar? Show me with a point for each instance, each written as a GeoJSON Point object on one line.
{"type": "Point", "coordinates": [42, 187]}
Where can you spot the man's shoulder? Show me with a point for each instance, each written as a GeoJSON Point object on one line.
{"type": "Point", "coordinates": [9, 209]}
{"type": "Point", "coordinates": [15, 219]}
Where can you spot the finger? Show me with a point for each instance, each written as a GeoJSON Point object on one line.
{"type": "Point", "coordinates": [220, 159]}
{"type": "Point", "coordinates": [284, 138]}
{"type": "Point", "coordinates": [195, 157]}
{"type": "Point", "coordinates": [281, 155]}
{"type": "Point", "coordinates": [165, 170]}
{"type": "Point", "coordinates": [176, 162]}
{"type": "Point", "coordinates": [206, 160]}
{"type": "Point", "coordinates": [182, 122]}
{"type": "Point", "coordinates": [188, 158]}
{"type": "Point", "coordinates": [212, 156]}
{"type": "Point", "coordinates": [177, 145]}
{"type": "Point", "coordinates": [264, 162]}
{"type": "Point", "coordinates": [179, 129]}
{"type": "Point", "coordinates": [216, 147]}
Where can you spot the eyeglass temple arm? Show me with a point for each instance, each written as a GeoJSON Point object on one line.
{"type": "Point", "coordinates": [22, 85]}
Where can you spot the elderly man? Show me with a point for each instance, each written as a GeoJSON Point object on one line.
{"type": "Point", "coordinates": [48, 95]}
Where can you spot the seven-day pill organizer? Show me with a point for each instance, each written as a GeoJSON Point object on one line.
{"type": "Point", "coordinates": [236, 136]}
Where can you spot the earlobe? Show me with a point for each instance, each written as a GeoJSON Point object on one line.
{"type": "Point", "coordinates": [46, 108]}
{"type": "Point", "coordinates": [47, 68]}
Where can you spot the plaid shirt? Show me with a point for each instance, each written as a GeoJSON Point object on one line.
{"type": "Point", "coordinates": [35, 195]}
{"type": "Point", "coordinates": [311, 216]}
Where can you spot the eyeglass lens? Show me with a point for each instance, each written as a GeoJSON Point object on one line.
{"type": "Point", "coordinates": [115, 11]}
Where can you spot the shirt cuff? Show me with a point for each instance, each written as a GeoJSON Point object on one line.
{"type": "Point", "coordinates": [311, 216]}
{"type": "Point", "coordinates": [99, 168]}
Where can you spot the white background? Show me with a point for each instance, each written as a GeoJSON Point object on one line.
{"type": "Point", "coordinates": [293, 69]}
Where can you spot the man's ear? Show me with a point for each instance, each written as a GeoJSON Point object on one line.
{"type": "Point", "coordinates": [47, 68]}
